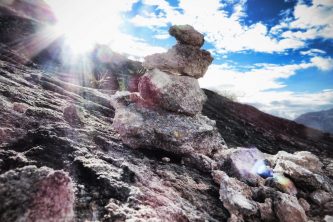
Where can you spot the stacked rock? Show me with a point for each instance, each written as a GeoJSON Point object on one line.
{"type": "Point", "coordinates": [166, 113]}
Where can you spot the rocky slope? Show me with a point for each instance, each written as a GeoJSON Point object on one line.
{"type": "Point", "coordinates": [244, 125]}
{"type": "Point", "coordinates": [321, 120]}
{"type": "Point", "coordinates": [47, 122]}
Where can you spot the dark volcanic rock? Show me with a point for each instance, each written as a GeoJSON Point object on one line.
{"type": "Point", "coordinates": [186, 34]}
{"type": "Point", "coordinates": [246, 126]}
{"type": "Point", "coordinates": [180, 94]}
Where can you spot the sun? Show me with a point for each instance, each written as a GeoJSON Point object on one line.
{"type": "Point", "coordinates": [87, 22]}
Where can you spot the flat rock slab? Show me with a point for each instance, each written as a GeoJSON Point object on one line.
{"type": "Point", "coordinates": [186, 34]}
{"type": "Point", "coordinates": [158, 129]}
{"type": "Point", "coordinates": [179, 94]}
{"type": "Point", "coordinates": [181, 60]}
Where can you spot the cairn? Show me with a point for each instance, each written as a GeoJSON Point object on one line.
{"type": "Point", "coordinates": [166, 112]}
{"type": "Point", "coordinates": [166, 115]}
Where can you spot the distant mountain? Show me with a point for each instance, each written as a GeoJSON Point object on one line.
{"type": "Point", "coordinates": [322, 120]}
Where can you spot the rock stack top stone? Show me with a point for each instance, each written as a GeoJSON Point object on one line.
{"type": "Point", "coordinates": [185, 58]}
{"type": "Point", "coordinates": [186, 34]}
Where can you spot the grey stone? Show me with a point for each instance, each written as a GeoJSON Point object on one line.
{"type": "Point", "coordinates": [266, 210]}
{"type": "Point", "coordinates": [302, 175]}
{"type": "Point", "coordinates": [181, 60]}
{"type": "Point", "coordinates": [241, 163]}
{"type": "Point", "coordinates": [140, 126]}
{"type": "Point", "coordinates": [287, 208]}
{"type": "Point", "coordinates": [305, 204]}
{"type": "Point", "coordinates": [186, 34]}
{"type": "Point", "coordinates": [180, 94]}
{"type": "Point", "coordinates": [236, 196]}
{"type": "Point", "coordinates": [304, 159]}
{"type": "Point", "coordinates": [320, 197]}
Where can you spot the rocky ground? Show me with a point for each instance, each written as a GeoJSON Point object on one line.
{"type": "Point", "coordinates": [47, 122]}
{"type": "Point", "coordinates": [63, 152]}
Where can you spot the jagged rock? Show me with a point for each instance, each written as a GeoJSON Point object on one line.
{"type": "Point", "coordinates": [302, 158]}
{"type": "Point", "coordinates": [301, 175]}
{"type": "Point", "coordinates": [305, 204]}
{"type": "Point", "coordinates": [266, 210]}
{"type": "Point", "coordinates": [236, 196]}
{"type": "Point", "coordinates": [320, 197]}
{"type": "Point", "coordinates": [180, 94]}
{"type": "Point", "coordinates": [20, 107]}
{"type": "Point", "coordinates": [199, 161]}
{"type": "Point", "coordinates": [72, 116]}
{"type": "Point", "coordinates": [288, 209]}
{"type": "Point", "coordinates": [181, 60]}
{"type": "Point", "coordinates": [328, 218]}
{"type": "Point", "coordinates": [186, 34]}
{"type": "Point", "coordinates": [241, 163]}
{"type": "Point", "coordinates": [36, 194]}
{"type": "Point", "coordinates": [217, 176]}
{"type": "Point", "coordinates": [158, 129]}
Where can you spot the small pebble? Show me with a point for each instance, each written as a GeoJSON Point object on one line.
{"type": "Point", "coordinates": [166, 159]}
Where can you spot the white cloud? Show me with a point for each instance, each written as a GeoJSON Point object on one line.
{"type": "Point", "coordinates": [312, 52]}
{"type": "Point", "coordinates": [259, 86]}
{"type": "Point", "coordinates": [314, 21]}
{"type": "Point", "coordinates": [162, 36]}
{"type": "Point", "coordinates": [249, 83]}
{"type": "Point", "coordinates": [134, 47]}
{"type": "Point", "coordinates": [290, 105]}
{"type": "Point", "coordinates": [324, 64]}
{"type": "Point", "coordinates": [226, 33]}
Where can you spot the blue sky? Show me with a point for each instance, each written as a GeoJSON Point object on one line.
{"type": "Point", "coordinates": [273, 54]}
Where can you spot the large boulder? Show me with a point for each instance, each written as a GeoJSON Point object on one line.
{"type": "Point", "coordinates": [141, 126]}
{"type": "Point", "coordinates": [287, 208]}
{"type": "Point", "coordinates": [180, 94]}
{"type": "Point", "coordinates": [242, 163]}
{"type": "Point", "coordinates": [36, 194]}
{"type": "Point", "coordinates": [186, 34]}
{"type": "Point", "coordinates": [304, 159]}
{"type": "Point", "coordinates": [181, 60]}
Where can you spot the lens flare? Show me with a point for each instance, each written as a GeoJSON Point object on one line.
{"type": "Point", "coordinates": [87, 22]}
{"type": "Point", "coordinates": [262, 169]}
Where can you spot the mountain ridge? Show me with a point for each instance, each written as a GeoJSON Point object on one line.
{"type": "Point", "coordinates": [321, 120]}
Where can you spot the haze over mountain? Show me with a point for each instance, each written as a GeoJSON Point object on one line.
{"type": "Point", "coordinates": [322, 120]}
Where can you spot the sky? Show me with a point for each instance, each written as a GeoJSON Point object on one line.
{"type": "Point", "coordinates": [276, 55]}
